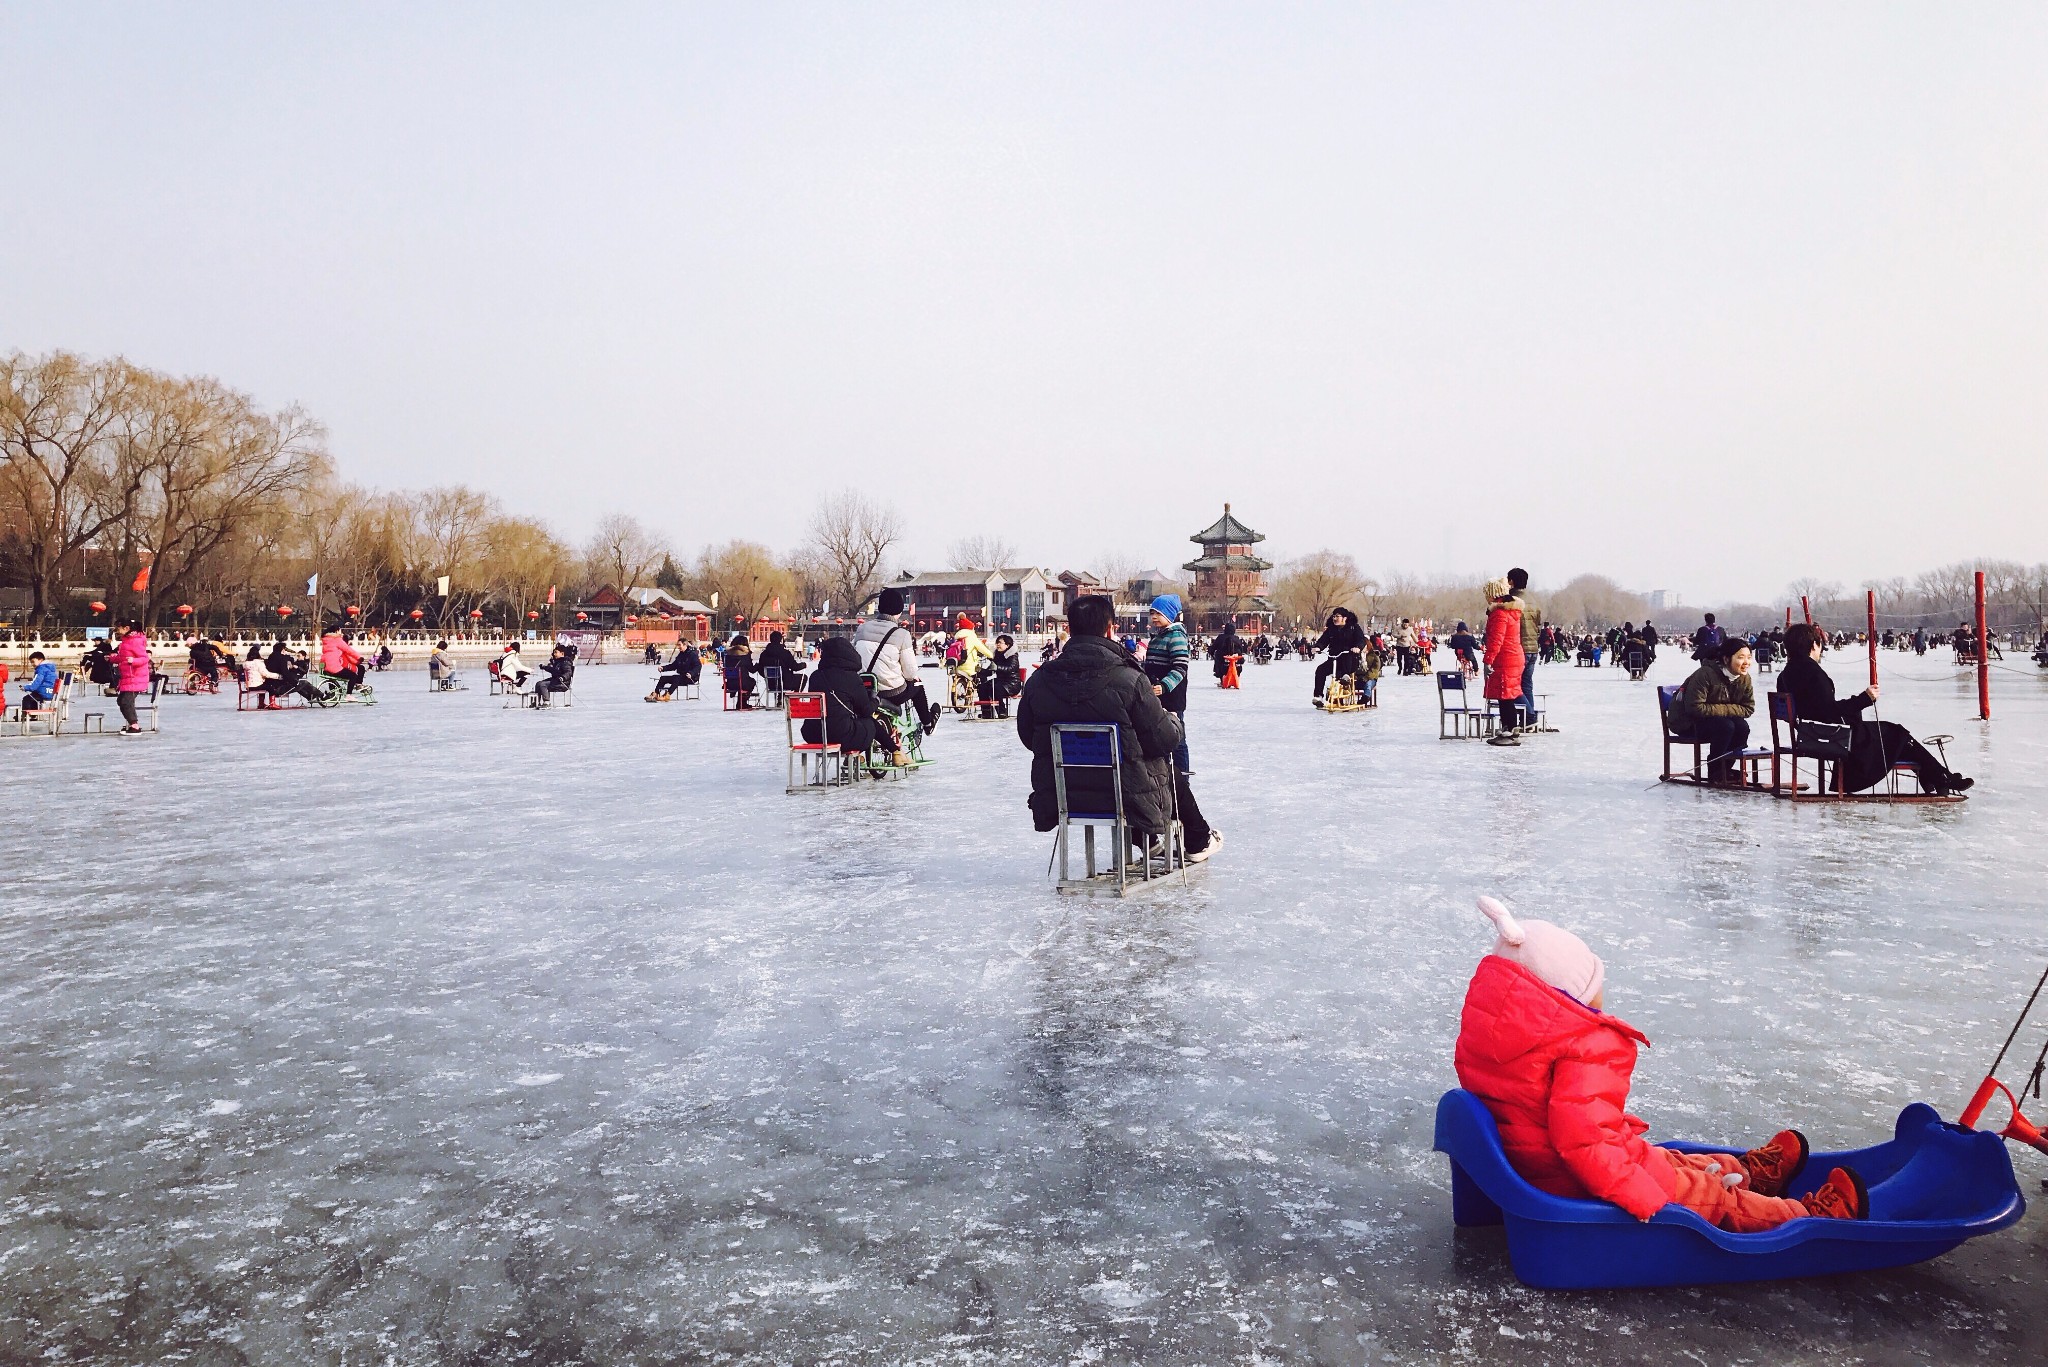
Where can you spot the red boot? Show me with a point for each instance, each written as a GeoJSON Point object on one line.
{"type": "Point", "coordinates": [1772, 1167]}
{"type": "Point", "coordinates": [1842, 1197]}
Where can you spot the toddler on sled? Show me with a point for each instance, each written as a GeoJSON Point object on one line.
{"type": "Point", "coordinates": [1553, 1069]}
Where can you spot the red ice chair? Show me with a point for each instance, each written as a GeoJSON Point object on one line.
{"type": "Point", "coordinates": [830, 767]}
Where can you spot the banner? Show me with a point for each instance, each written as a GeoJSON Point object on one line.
{"type": "Point", "coordinates": [443, 588]}
{"type": "Point", "coordinates": [313, 587]}
{"type": "Point", "coordinates": [551, 595]}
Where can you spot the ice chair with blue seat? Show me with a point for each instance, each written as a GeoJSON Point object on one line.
{"type": "Point", "coordinates": [1089, 748]}
{"type": "Point", "coordinates": [1750, 760]}
{"type": "Point", "coordinates": [1932, 1187]}
{"type": "Point", "coordinates": [1460, 720]}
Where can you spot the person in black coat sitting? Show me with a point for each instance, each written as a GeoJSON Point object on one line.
{"type": "Point", "coordinates": [1345, 640]}
{"type": "Point", "coordinates": [850, 721]}
{"type": "Point", "coordinates": [1095, 679]}
{"type": "Point", "coordinates": [681, 672]}
{"type": "Point", "coordinates": [1874, 746]}
{"type": "Point", "coordinates": [775, 655]}
{"type": "Point", "coordinates": [560, 669]}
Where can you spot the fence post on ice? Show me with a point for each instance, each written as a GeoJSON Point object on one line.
{"type": "Point", "coordinates": [1805, 609]}
{"type": "Point", "coordinates": [1983, 657]}
{"type": "Point", "coordinates": [1870, 607]}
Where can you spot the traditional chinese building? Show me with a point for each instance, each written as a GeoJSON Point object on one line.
{"type": "Point", "coordinates": [1230, 581]}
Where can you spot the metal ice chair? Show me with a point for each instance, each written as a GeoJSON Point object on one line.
{"type": "Point", "coordinates": [771, 688]}
{"type": "Point", "coordinates": [831, 763]}
{"type": "Point", "coordinates": [1459, 720]}
{"type": "Point", "coordinates": [1827, 763]}
{"type": "Point", "coordinates": [1098, 746]}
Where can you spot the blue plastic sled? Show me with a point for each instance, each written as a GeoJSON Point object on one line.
{"type": "Point", "coordinates": [1932, 1186]}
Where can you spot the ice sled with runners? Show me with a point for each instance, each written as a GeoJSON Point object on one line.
{"type": "Point", "coordinates": [1932, 1186]}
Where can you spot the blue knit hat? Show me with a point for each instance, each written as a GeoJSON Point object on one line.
{"type": "Point", "coordinates": [1168, 606]}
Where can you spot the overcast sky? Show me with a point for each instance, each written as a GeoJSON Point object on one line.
{"type": "Point", "coordinates": [1703, 297]}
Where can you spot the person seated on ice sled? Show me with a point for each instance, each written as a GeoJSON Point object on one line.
{"type": "Point", "coordinates": [441, 666]}
{"type": "Point", "coordinates": [1345, 641]}
{"type": "Point", "coordinates": [1715, 706]}
{"type": "Point", "coordinates": [1874, 746]}
{"type": "Point", "coordinates": [681, 672]}
{"type": "Point", "coordinates": [513, 671]}
{"type": "Point", "coordinates": [739, 672]}
{"type": "Point", "coordinates": [557, 673]}
{"type": "Point", "coordinates": [1536, 1046]}
{"type": "Point", "coordinates": [790, 670]}
{"type": "Point", "coordinates": [850, 720]}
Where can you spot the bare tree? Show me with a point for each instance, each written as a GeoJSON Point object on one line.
{"type": "Point", "coordinates": [854, 535]}
{"type": "Point", "coordinates": [623, 553]}
{"type": "Point", "coordinates": [982, 552]}
{"type": "Point", "coordinates": [58, 467]}
{"type": "Point", "coordinates": [1310, 587]}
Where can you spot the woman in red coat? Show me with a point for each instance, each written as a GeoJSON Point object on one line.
{"type": "Point", "coordinates": [1504, 659]}
{"type": "Point", "coordinates": [1554, 1069]}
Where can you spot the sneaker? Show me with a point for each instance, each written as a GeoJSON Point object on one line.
{"type": "Point", "coordinates": [1201, 856]}
{"type": "Point", "coordinates": [1503, 738]}
{"type": "Point", "coordinates": [131, 730]}
{"type": "Point", "coordinates": [931, 723]}
{"type": "Point", "coordinates": [1842, 1197]}
{"type": "Point", "coordinates": [1318, 702]}
{"type": "Point", "coordinates": [1771, 1168]}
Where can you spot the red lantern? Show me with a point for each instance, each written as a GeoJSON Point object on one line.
{"type": "Point", "coordinates": [532, 616]}
{"type": "Point", "coordinates": [354, 611]}
{"type": "Point", "coordinates": [283, 611]}
{"type": "Point", "coordinates": [582, 616]}
{"type": "Point", "coordinates": [416, 614]}
{"type": "Point", "coordinates": [184, 609]}
{"type": "Point", "coordinates": [98, 606]}
{"type": "Point", "coordinates": [476, 613]}
{"type": "Point", "coordinates": [632, 621]}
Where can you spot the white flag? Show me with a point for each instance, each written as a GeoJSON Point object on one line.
{"type": "Point", "coordinates": [825, 607]}
{"type": "Point", "coordinates": [313, 587]}
{"type": "Point", "coordinates": [714, 602]}
{"type": "Point", "coordinates": [443, 589]}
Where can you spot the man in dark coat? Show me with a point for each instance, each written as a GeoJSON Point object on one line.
{"type": "Point", "coordinates": [1094, 679]}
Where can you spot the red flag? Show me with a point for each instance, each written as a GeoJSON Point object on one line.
{"type": "Point", "coordinates": [778, 605]}
{"type": "Point", "coordinates": [142, 581]}
{"type": "Point", "coordinates": [551, 595]}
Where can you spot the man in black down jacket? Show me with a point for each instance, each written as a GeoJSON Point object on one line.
{"type": "Point", "coordinates": [1094, 679]}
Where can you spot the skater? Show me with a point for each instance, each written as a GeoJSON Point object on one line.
{"type": "Point", "coordinates": [889, 654]}
{"type": "Point", "coordinates": [1503, 651]}
{"type": "Point", "coordinates": [1706, 640]}
{"type": "Point", "coordinates": [1404, 648]}
{"type": "Point", "coordinates": [1167, 656]}
{"type": "Point", "coordinates": [1715, 707]}
{"type": "Point", "coordinates": [1096, 680]}
{"type": "Point", "coordinates": [1345, 640]}
{"type": "Point", "coordinates": [1536, 1046]}
{"type": "Point", "coordinates": [1874, 746]}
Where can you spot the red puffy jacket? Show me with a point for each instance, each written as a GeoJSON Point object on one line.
{"type": "Point", "coordinates": [1503, 652]}
{"type": "Point", "coordinates": [1555, 1076]}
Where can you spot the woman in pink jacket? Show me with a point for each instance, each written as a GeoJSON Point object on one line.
{"type": "Point", "coordinates": [131, 663]}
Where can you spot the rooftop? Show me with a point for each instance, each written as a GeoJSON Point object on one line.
{"type": "Point", "coordinates": [1227, 530]}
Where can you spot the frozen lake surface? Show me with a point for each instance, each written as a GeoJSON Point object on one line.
{"type": "Point", "coordinates": [437, 1033]}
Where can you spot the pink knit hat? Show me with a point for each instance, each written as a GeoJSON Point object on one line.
{"type": "Point", "coordinates": [1551, 952]}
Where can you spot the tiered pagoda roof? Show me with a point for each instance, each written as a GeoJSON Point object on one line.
{"type": "Point", "coordinates": [1215, 541]}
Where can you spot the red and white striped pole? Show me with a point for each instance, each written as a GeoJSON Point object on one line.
{"type": "Point", "coordinates": [1983, 657]}
{"type": "Point", "coordinates": [1870, 605]}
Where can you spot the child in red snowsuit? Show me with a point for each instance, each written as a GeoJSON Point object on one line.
{"type": "Point", "coordinates": [1554, 1070]}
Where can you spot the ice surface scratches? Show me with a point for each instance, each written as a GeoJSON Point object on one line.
{"type": "Point", "coordinates": [436, 1033]}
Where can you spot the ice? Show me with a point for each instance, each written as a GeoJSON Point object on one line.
{"type": "Point", "coordinates": [434, 1032]}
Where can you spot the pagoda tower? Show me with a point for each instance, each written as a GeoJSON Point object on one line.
{"type": "Point", "coordinates": [1230, 581]}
